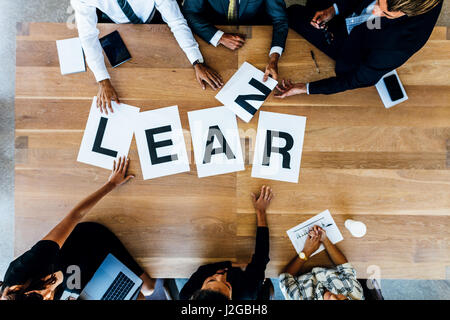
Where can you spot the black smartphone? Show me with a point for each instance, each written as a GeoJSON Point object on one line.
{"type": "Point", "coordinates": [115, 49]}
{"type": "Point", "coordinates": [393, 87]}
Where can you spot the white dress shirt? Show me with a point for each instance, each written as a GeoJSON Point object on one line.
{"type": "Point", "coordinates": [86, 18]}
{"type": "Point", "coordinates": [216, 38]}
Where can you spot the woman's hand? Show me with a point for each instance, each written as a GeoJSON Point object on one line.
{"type": "Point", "coordinates": [322, 17]}
{"type": "Point", "coordinates": [205, 74]}
{"type": "Point", "coordinates": [312, 243]}
{"type": "Point", "coordinates": [321, 233]}
{"type": "Point", "coordinates": [287, 89]}
{"type": "Point", "coordinates": [272, 67]}
{"type": "Point", "coordinates": [105, 95]}
{"type": "Point", "coordinates": [262, 201]}
{"type": "Point", "coordinates": [119, 172]}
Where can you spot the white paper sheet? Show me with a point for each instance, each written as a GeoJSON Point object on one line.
{"type": "Point", "coordinates": [384, 95]}
{"type": "Point", "coordinates": [275, 169]}
{"type": "Point", "coordinates": [117, 135]}
{"type": "Point", "coordinates": [70, 54]}
{"type": "Point", "coordinates": [324, 219]}
{"type": "Point", "coordinates": [172, 157]}
{"type": "Point", "coordinates": [200, 123]}
{"type": "Point", "coordinates": [239, 85]}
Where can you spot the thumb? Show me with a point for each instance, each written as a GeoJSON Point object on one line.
{"type": "Point", "coordinates": [129, 178]}
{"type": "Point", "coordinates": [266, 75]}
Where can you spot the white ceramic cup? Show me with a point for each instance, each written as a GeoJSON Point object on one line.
{"type": "Point", "coordinates": [356, 228]}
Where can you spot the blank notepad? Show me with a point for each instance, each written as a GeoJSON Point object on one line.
{"type": "Point", "coordinates": [70, 54]}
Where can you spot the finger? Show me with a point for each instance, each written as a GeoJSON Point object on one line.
{"type": "Point", "coordinates": [208, 81]}
{"type": "Point", "coordinates": [125, 167]}
{"type": "Point", "coordinates": [266, 75]}
{"type": "Point", "coordinates": [104, 106]}
{"type": "Point", "coordinates": [217, 77]}
{"type": "Point", "coordinates": [99, 101]}
{"type": "Point", "coordinates": [213, 80]}
{"type": "Point", "coordinates": [119, 162]}
{"type": "Point", "coordinates": [122, 164]}
{"type": "Point", "coordinates": [200, 82]}
{"type": "Point", "coordinates": [109, 104]}
{"type": "Point", "coordinates": [263, 192]}
{"type": "Point", "coordinates": [114, 165]}
{"type": "Point", "coordinates": [116, 98]}
{"type": "Point", "coordinates": [239, 39]}
{"type": "Point", "coordinates": [128, 178]}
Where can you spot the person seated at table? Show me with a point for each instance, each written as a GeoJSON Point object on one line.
{"type": "Point", "coordinates": [366, 38]}
{"type": "Point", "coordinates": [136, 12]}
{"type": "Point", "coordinates": [224, 281]}
{"type": "Point", "coordinates": [42, 272]}
{"type": "Point", "coordinates": [202, 15]}
{"type": "Point", "coordinates": [338, 283]}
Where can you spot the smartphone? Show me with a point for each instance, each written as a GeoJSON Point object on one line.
{"type": "Point", "coordinates": [393, 87]}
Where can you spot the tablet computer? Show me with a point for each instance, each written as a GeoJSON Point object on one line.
{"type": "Point", "coordinates": [115, 49]}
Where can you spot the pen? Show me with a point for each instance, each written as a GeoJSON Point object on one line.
{"type": "Point", "coordinates": [315, 62]}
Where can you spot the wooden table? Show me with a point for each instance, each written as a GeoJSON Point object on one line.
{"type": "Point", "coordinates": [387, 168]}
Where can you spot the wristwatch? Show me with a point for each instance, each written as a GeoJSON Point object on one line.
{"type": "Point", "coordinates": [302, 256]}
{"type": "Point", "coordinates": [198, 61]}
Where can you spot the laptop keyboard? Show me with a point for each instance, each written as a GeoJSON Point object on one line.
{"type": "Point", "coordinates": [119, 288]}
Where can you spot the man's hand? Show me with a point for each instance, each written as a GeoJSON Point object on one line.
{"type": "Point", "coordinates": [261, 203]}
{"type": "Point", "coordinates": [320, 232]}
{"type": "Point", "coordinates": [272, 67]}
{"type": "Point", "coordinates": [205, 74]}
{"type": "Point", "coordinates": [232, 41]}
{"type": "Point", "coordinates": [119, 172]}
{"type": "Point", "coordinates": [105, 94]}
{"type": "Point", "coordinates": [287, 89]}
{"type": "Point", "coordinates": [322, 17]}
{"type": "Point", "coordinates": [312, 243]}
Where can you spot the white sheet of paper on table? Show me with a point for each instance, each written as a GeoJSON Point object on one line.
{"type": "Point", "coordinates": [239, 85]}
{"type": "Point", "coordinates": [292, 125]}
{"type": "Point", "coordinates": [70, 55]}
{"type": "Point", "coordinates": [384, 95]}
{"type": "Point", "coordinates": [117, 136]}
{"type": "Point", "coordinates": [298, 234]}
{"type": "Point", "coordinates": [199, 122]}
{"type": "Point", "coordinates": [152, 119]}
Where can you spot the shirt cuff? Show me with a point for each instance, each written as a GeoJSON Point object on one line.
{"type": "Point", "coordinates": [307, 88]}
{"type": "Point", "coordinates": [216, 38]}
{"type": "Point", "coordinates": [195, 55]}
{"type": "Point", "coordinates": [276, 49]}
{"type": "Point", "coordinates": [336, 8]}
{"type": "Point", "coordinates": [100, 76]}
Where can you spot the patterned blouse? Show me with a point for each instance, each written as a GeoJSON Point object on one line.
{"type": "Point", "coordinates": [313, 285]}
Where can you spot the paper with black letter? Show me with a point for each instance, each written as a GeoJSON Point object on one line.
{"type": "Point", "coordinates": [324, 220]}
{"type": "Point", "coordinates": [245, 92]}
{"type": "Point", "coordinates": [278, 147]}
{"type": "Point", "coordinates": [107, 137]}
{"type": "Point", "coordinates": [216, 141]}
{"type": "Point", "coordinates": [160, 143]}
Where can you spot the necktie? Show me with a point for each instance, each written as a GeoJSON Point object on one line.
{"type": "Point", "coordinates": [233, 11]}
{"type": "Point", "coordinates": [128, 11]}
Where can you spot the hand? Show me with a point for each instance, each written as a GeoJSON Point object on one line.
{"type": "Point", "coordinates": [232, 41]}
{"type": "Point", "coordinates": [262, 201]}
{"type": "Point", "coordinates": [287, 89]}
{"type": "Point", "coordinates": [119, 172]}
{"type": "Point", "coordinates": [105, 95]}
{"type": "Point", "coordinates": [312, 243]}
{"type": "Point", "coordinates": [205, 74]}
{"type": "Point", "coordinates": [321, 233]}
{"type": "Point", "coordinates": [322, 17]}
{"type": "Point", "coordinates": [272, 67]}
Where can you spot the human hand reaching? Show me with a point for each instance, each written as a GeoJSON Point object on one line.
{"type": "Point", "coordinates": [119, 173]}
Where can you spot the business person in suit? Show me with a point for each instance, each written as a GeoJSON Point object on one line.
{"type": "Point", "coordinates": [136, 12]}
{"type": "Point", "coordinates": [366, 38]}
{"type": "Point", "coordinates": [203, 15]}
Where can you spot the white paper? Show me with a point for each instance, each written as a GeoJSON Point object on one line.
{"type": "Point", "coordinates": [200, 122]}
{"type": "Point", "coordinates": [174, 155]}
{"type": "Point", "coordinates": [384, 95]}
{"type": "Point", "coordinates": [324, 220]}
{"type": "Point", "coordinates": [117, 135]}
{"type": "Point", "coordinates": [70, 54]}
{"type": "Point", "coordinates": [239, 85]}
{"type": "Point", "coordinates": [294, 126]}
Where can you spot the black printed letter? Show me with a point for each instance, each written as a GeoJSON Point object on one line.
{"type": "Point", "coordinates": [268, 149]}
{"type": "Point", "coordinates": [242, 99]}
{"type": "Point", "coordinates": [99, 138]}
{"type": "Point", "coordinates": [152, 145]}
{"type": "Point", "coordinates": [225, 148]}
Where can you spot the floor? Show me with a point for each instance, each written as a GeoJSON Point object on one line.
{"type": "Point", "coordinates": [60, 11]}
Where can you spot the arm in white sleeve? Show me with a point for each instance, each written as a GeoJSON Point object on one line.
{"type": "Point", "coordinates": [86, 18]}
{"type": "Point", "coordinates": [171, 14]}
{"type": "Point", "coordinates": [307, 88]}
{"type": "Point", "coordinates": [216, 38]}
{"type": "Point", "coordinates": [336, 8]}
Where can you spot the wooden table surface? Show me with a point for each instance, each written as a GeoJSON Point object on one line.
{"type": "Point", "coordinates": [387, 168]}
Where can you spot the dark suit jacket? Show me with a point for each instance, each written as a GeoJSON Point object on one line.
{"type": "Point", "coordinates": [367, 55]}
{"type": "Point", "coordinates": [202, 15]}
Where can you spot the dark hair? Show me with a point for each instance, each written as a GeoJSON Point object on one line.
{"type": "Point", "coordinates": [209, 295]}
{"type": "Point", "coordinates": [412, 7]}
{"type": "Point", "coordinates": [22, 292]}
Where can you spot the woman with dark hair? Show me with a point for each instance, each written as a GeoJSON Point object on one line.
{"type": "Point", "coordinates": [224, 281]}
{"type": "Point", "coordinates": [50, 267]}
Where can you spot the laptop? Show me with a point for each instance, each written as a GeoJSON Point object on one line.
{"type": "Point", "coordinates": [112, 281]}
